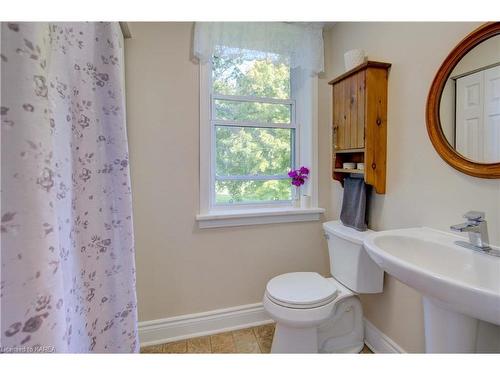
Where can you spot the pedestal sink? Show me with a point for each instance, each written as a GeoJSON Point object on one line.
{"type": "Point", "coordinates": [459, 286]}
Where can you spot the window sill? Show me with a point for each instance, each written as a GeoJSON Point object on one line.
{"type": "Point", "coordinates": [235, 218]}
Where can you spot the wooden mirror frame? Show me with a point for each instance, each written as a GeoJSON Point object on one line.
{"type": "Point", "coordinates": [438, 139]}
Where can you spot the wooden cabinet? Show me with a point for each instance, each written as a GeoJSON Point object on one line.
{"type": "Point", "coordinates": [360, 122]}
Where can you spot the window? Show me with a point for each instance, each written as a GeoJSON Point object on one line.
{"type": "Point", "coordinates": [252, 121]}
{"type": "Point", "coordinates": [258, 119]}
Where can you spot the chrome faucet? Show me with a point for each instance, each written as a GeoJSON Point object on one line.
{"type": "Point", "coordinates": [477, 228]}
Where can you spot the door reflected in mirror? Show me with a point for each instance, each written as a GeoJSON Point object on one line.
{"type": "Point", "coordinates": [469, 108]}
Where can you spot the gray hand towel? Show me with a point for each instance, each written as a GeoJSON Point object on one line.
{"type": "Point", "coordinates": [354, 205]}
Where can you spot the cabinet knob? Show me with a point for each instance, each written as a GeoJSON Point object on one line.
{"type": "Point", "coordinates": [374, 165]}
{"type": "Point", "coordinates": [379, 121]}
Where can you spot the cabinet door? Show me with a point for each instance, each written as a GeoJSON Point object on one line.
{"type": "Point", "coordinates": [354, 111]}
{"type": "Point", "coordinates": [349, 112]}
{"type": "Point", "coordinates": [348, 106]}
{"type": "Point", "coordinates": [359, 140]}
{"type": "Point", "coordinates": [338, 116]}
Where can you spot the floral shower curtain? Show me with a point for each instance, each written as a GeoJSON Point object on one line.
{"type": "Point", "coordinates": [67, 256]}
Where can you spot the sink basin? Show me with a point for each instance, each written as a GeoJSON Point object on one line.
{"type": "Point", "coordinates": [459, 285]}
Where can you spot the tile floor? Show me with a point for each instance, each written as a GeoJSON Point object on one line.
{"type": "Point", "coordinates": [249, 340]}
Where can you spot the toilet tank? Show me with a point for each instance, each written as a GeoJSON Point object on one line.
{"type": "Point", "coordinates": [350, 264]}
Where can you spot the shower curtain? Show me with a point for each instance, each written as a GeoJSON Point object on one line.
{"type": "Point", "coordinates": [67, 256]}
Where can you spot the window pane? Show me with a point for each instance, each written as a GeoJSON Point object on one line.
{"type": "Point", "coordinates": [253, 73]}
{"type": "Point", "coordinates": [227, 192]}
{"type": "Point", "coordinates": [245, 151]}
{"type": "Point", "coordinates": [252, 111]}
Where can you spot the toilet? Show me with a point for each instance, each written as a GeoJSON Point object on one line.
{"type": "Point", "coordinates": [315, 314]}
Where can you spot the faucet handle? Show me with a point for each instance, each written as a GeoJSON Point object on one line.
{"type": "Point", "coordinates": [475, 215]}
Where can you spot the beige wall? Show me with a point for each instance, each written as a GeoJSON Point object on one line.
{"type": "Point", "coordinates": [180, 268]}
{"type": "Point", "coordinates": [421, 188]}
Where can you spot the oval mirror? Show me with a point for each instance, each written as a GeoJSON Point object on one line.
{"type": "Point", "coordinates": [463, 107]}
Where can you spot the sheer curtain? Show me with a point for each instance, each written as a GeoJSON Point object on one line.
{"type": "Point", "coordinates": [68, 273]}
{"type": "Point", "coordinates": [302, 42]}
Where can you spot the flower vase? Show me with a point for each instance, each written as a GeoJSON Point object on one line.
{"type": "Point", "coordinates": [296, 197]}
{"type": "Point", "coordinates": [305, 201]}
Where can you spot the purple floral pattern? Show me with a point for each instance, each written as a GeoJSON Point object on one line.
{"type": "Point", "coordinates": [68, 273]}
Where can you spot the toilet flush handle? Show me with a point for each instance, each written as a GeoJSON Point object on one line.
{"type": "Point", "coordinates": [327, 237]}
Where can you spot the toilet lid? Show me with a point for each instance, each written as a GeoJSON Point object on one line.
{"type": "Point", "coordinates": [301, 288]}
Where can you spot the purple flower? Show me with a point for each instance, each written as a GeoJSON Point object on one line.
{"type": "Point", "coordinates": [304, 170]}
{"type": "Point", "coordinates": [299, 176]}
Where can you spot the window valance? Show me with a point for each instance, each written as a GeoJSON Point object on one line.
{"type": "Point", "coordinates": [301, 43]}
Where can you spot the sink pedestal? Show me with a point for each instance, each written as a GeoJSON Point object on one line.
{"type": "Point", "coordinates": [448, 331]}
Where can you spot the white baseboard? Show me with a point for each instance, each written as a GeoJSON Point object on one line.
{"type": "Point", "coordinates": [378, 342]}
{"type": "Point", "coordinates": [182, 327]}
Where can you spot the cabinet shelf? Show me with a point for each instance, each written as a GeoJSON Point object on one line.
{"type": "Point", "coordinates": [342, 170]}
{"type": "Point", "coordinates": [348, 151]}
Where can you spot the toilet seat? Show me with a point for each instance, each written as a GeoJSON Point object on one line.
{"type": "Point", "coordinates": [285, 305]}
{"type": "Point", "coordinates": [301, 290]}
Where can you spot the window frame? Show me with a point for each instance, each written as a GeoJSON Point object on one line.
{"type": "Point", "coordinates": [304, 153]}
